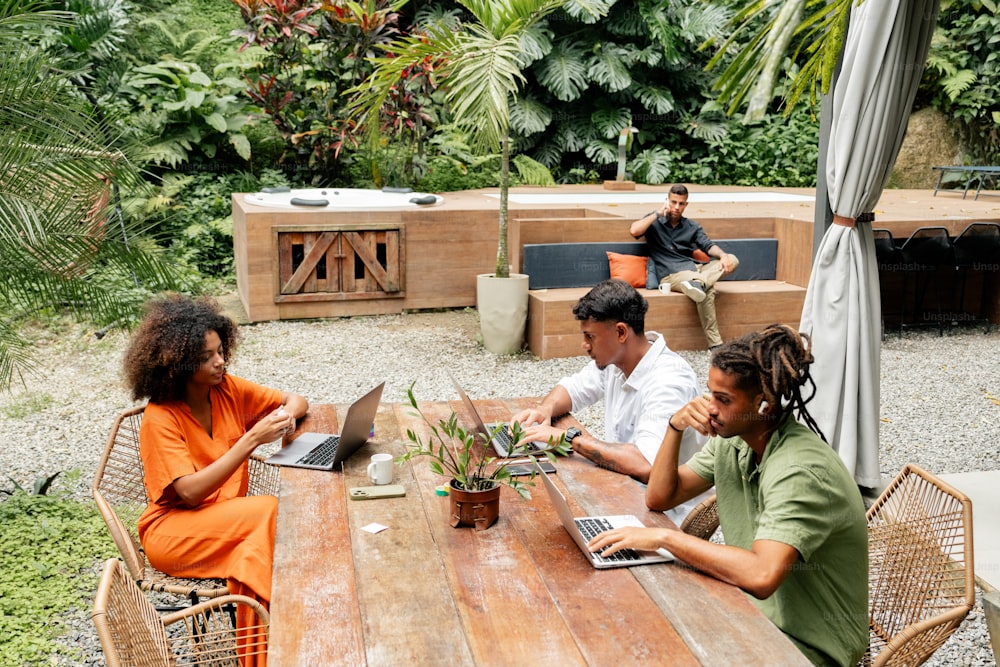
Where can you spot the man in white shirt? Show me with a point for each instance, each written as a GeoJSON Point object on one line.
{"type": "Point", "coordinates": [642, 381]}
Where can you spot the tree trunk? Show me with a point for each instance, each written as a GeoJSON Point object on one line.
{"type": "Point", "coordinates": [503, 264]}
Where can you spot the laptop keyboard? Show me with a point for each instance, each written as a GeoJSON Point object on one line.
{"type": "Point", "coordinates": [323, 453]}
{"type": "Point", "coordinates": [591, 527]}
{"type": "Point", "coordinates": [503, 441]}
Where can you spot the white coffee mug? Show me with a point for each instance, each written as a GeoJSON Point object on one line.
{"type": "Point", "coordinates": [380, 469]}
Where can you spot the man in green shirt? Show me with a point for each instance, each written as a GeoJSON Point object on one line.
{"type": "Point", "coordinates": [792, 516]}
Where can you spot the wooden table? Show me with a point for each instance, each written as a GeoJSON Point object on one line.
{"type": "Point", "coordinates": [519, 593]}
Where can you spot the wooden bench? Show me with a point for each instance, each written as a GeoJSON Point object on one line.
{"type": "Point", "coordinates": [561, 273]}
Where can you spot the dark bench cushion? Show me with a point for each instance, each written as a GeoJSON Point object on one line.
{"type": "Point", "coordinates": [556, 265]}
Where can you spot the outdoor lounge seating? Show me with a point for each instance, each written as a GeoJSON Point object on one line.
{"type": "Point", "coordinates": [560, 273]}
{"type": "Point", "coordinates": [121, 498]}
{"type": "Point", "coordinates": [920, 567]}
{"type": "Point", "coordinates": [979, 173]}
{"type": "Point", "coordinates": [133, 633]}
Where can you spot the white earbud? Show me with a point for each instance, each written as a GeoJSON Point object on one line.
{"type": "Point", "coordinates": [762, 408]}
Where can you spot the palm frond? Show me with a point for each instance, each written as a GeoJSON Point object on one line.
{"type": "Point", "coordinates": [779, 34]}
{"type": "Point", "coordinates": [60, 236]}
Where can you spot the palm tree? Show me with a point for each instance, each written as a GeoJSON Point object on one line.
{"type": "Point", "coordinates": [477, 65]}
{"type": "Point", "coordinates": [61, 246]}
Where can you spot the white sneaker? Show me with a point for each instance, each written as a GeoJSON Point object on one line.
{"type": "Point", "coordinates": [693, 290]}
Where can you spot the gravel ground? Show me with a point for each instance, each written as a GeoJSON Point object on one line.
{"type": "Point", "coordinates": [940, 401]}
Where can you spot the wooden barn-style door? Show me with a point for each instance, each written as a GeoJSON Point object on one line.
{"type": "Point", "coordinates": [340, 262]}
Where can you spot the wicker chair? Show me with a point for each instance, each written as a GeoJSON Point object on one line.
{"type": "Point", "coordinates": [121, 498]}
{"type": "Point", "coordinates": [703, 520]}
{"type": "Point", "coordinates": [921, 580]}
{"type": "Point", "coordinates": [132, 633]}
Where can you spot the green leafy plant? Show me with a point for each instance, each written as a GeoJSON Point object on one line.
{"type": "Point", "coordinates": [306, 54]}
{"type": "Point", "coordinates": [962, 76]}
{"type": "Point", "coordinates": [40, 488]}
{"type": "Point", "coordinates": [51, 542]}
{"type": "Point", "coordinates": [455, 453]}
{"type": "Point", "coordinates": [478, 66]}
{"type": "Point", "coordinates": [59, 229]}
{"type": "Point", "coordinates": [186, 112]}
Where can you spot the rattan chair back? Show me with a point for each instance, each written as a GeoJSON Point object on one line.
{"type": "Point", "coordinates": [703, 520]}
{"type": "Point", "coordinates": [921, 579]}
{"type": "Point", "coordinates": [133, 634]}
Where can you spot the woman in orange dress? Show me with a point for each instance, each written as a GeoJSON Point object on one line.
{"type": "Point", "coordinates": [198, 430]}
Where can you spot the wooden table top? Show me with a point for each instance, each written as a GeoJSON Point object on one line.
{"type": "Point", "coordinates": [422, 592]}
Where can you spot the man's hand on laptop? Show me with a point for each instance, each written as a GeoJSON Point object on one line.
{"type": "Point", "coordinates": [545, 433]}
{"type": "Point", "coordinates": [640, 539]}
{"type": "Point", "coordinates": [531, 417]}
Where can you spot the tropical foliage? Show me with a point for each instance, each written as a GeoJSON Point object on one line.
{"type": "Point", "coordinates": [477, 65]}
{"type": "Point", "coordinates": [61, 237]}
{"type": "Point", "coordinates": [963, 74]}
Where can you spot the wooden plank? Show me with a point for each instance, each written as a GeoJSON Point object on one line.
{"type": "Point", "coordinates": [508, 616]}
{"type": "Point", "coordinates": [401, 582]}
{"type": "Point", "coordinates": [309, 532]}
{"type": "Point", "coordinates": [701, 609]}
{"type": "Point", "coordinates": [595, 604]}
{"type": "Point", "coordinates": [305, 273]}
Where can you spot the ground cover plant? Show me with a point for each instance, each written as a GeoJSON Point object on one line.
{"type": "Point", "coordinates": [50, 542]}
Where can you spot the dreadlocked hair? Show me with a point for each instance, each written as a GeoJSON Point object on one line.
{"type": "Point", "coordinates": [775, 362]}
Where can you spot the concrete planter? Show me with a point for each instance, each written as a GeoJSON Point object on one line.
{"type": "Point", "coordinates": [503, 311]}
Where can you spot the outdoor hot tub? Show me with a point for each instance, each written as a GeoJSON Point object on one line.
{"type": "Point", "coordinates": [341, 199]}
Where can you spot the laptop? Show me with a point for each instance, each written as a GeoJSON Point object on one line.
{"type": "Point", "coordinates": [324, 451]}
{"type": "Point", "coordinates": [583, 529]}
{"type": "Point", "coordinates": [502, 440]}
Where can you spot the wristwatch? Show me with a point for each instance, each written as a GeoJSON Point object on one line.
{"type": "Point", "coordinates": [572, 433]}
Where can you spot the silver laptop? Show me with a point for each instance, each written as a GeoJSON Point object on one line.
{"type": "Point", "coordinates": [497, 434]}
{"type": "Point", "coordinates": [583, 529]}
{"type": "Point", "coordinates": [324, 451]}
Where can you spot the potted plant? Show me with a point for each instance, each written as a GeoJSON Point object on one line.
{"type": "Point", "coordinates": [475, 477]}
{"type": "Point", "coordinates": [477, 65]}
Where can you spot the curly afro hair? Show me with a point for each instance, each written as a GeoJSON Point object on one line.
{"type": "Point", "coordinates": [166, 348]}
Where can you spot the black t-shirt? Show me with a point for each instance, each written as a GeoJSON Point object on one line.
{"type": "Point", "coordinates": [670, 248]}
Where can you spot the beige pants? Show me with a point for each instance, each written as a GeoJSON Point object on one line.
{"type": "Point", "coordinates": [709, 274]}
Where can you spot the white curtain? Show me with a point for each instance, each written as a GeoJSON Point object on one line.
{"type": "Point", "coordinates": [884, 55]}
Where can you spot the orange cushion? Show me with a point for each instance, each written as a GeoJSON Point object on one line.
{"type": "Point", "coordinates": [700, 255]}
{"type": "Point", "coordinates": [630, 268]}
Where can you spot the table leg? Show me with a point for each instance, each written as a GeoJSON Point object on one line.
{"type": "Point", "coordinates": [940, 178]}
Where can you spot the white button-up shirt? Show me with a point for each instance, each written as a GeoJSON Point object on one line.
{"type": "Point", "coordinates": [637, 408]}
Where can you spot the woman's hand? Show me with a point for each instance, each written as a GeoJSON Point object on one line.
{"type": "Point", "coordinates": [272, 427]}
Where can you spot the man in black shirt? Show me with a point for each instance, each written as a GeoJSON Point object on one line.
{"type": "Point", "coordinates": [674, 241]}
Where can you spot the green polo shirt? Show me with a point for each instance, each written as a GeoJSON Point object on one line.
{"type": "Point", "coordinates": [802, 495]}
